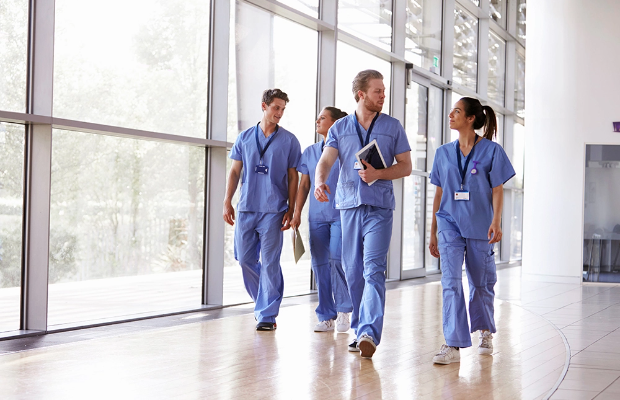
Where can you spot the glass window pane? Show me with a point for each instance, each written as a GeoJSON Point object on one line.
{"type": "Point", "coordinates": [293, 50]}
{"type": "Point", "coordinates": [521, 20]}
{"type": "Point", "coordinates": [126, 227]}
{"type": "Point", "coordinates": [520, 86]}
{"type": "Point", "coordinates": [349, 62]}
{"type": "Point", "coordinates": [434, 140]}
{"type": "Point", "coordinates": [413, 222]}
{"type": "Point", "coordinates": [310, 7]}
{"type": "Point", "coordinates": [415, 123]}
{"type": "Point", "coordinates": [149, 72]}
{"type": "Point", "coordinates": [497, 11]}
{"type": "Point", "coordinates": [476, 2]}
{"type": "Point", "coordinates": [497, 69]}
{"type": "Point", "coordinates": [465, 48]}
{"type": "Point", "coordinates": [516, 227]}
{"type": "Point", "coordinates": [13, 54]}
{"type": "Point", "coordinates": [423, 34]}
{"type": "Point", "coordinates": [370, 20]}
{"type": "Point", "coordinates": [518, 145]}
{"type": "Point", "coordinates": [500, 129]}
{"type": "Point", "coordinates": [11, 207]}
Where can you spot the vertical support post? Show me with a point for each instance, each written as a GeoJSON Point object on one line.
{"type": "Point", "coordinates": [326, 69]}
{"type": "Point", "coordinates": [38, 167]}
{"type": "Point", "coordinates": [447, 42]}
{"type": "Point", "coordinates": [213, 275]}
{"type": "Point", "coordinates": [483, 55]}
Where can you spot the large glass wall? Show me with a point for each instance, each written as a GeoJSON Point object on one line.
{"type": "Point", "coordinates": [135, 115]}
{"type": "Point", "coordinates": [126, 227]}
{"type": "Point", "coordinates": [423, 34]}
{"type": "Point", "coordinates": [13, 54]}
{"type": "Point", "coordinates": [370, 20]}
{"type": "Point", "coordinates": [11, 201]}
{"type": "Point", "coordinates": [149, 72]}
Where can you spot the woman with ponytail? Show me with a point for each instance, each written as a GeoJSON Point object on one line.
{"type": "Point", "coordinates": [325, 234]}
{"type": "Point", "coordinates": [469, 174]}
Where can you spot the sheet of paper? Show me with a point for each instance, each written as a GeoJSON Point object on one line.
{"type": "Point", "coordinates": [298, 245]}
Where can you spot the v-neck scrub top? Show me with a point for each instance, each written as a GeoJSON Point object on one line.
{"type": "Point", "coordinates": [471, 217]}
{"type": "Point", "coordinates": [267, 193]}
{"type": "Point", "coordinates": [318, 211]}
{"type": "Point", "coordinates": [352, 191]}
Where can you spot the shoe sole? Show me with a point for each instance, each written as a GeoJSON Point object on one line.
{"type": "Point", "coordinates": [367, 349]}
{"type": "Point", "coordinates": [325, 330]}
{"type": "Point", "coordinates": [341, 330]}
{"type": "Point", "coordinates": [445, 362]}
{"type": "Point", "coordinates": [266, 329]}
{"type": "Point", "coordinates": [485, 352]}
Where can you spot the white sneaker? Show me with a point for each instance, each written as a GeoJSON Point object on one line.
{"type": "Point", "coordinates": [324, 326]}
{"type": "Point", "coordinates": [367, 346]}
{"type": "Point", "coordinates": [447, 355]}
{"type": "Point", "coordinates": [342, 322]}
{"type": "Point", "coordinates": [486, 343]}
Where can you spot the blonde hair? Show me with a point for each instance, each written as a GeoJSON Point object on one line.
{"type": "Point", "coordinates": [362, 80]}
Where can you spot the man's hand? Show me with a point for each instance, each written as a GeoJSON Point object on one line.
{"type": "Point", "coordinates": [432, 247]}
{"type": "Point", "coordinates": [369, 174]}
{"type": "Point", "coordinates": [286, 221]}
{"type": "Point", "coordinates": [229, 213]}
{"type": "Point", "coordinates": [319, 193]}
{"type": "Point", "coordinates": [495, 232]}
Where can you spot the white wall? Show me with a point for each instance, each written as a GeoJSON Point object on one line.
{"type": "Point", "coordinates": [572, 97]}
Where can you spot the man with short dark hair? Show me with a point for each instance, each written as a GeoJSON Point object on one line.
{"type": "Point", "coordinates": [267, 155]}
{"type": "Point", "coordinates": [366, 206]}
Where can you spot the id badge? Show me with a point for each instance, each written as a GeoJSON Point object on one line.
{"type": "Point", "coordinates": [461, 195]}
{"type": "Point", "coordinates": [357, 165]}
{"type": "Point", "coordinates": [261, 169]}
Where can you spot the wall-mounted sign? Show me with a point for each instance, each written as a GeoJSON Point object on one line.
{"type": "Point", "coordinates": [616, 126]}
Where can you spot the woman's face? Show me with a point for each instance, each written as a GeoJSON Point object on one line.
{"type": "Point", "coordinates": [323, 122]}
{"type": "Point", "coordinates": [458, 119]}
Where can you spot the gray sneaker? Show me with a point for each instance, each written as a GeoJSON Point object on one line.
{"type": "Point", "coordinates": [342, 322]}
{"type": "Point", "coordinates": [447, 355]}
{"type": "Point", "coordinates": [486, 343]}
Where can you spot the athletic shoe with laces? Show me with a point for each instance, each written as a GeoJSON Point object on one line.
{"type": "Point", "coordinates": [324, 326]}
{"type": "Point", "coordinates": [447, 355]}
{"type": "Point", "coordinates": [367, 346]}
{"type": "Point", "coordinates": [353, 346]}
{"type": "Point", "coordinates": [486, 343]}
{"type": "Point", "coordinates": [342, 322]}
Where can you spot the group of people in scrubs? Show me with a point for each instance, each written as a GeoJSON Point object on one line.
{"type": "Point", "coordinates": [351, 208]}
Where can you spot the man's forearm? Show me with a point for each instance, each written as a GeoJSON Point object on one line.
{"type": "Point", "coordinates": [396, 171]}
{"type": "Point", "coordinates": [231, 188]}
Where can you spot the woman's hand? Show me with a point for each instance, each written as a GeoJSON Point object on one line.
{"type": "Point", "coordinates": [434, 249]}
{"type": "Point", "coordinates": [495, 232]}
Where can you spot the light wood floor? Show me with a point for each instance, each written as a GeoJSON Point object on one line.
{"type": "Point", "coordinates": [226, 358]}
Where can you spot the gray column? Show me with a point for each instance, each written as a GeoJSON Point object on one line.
{"type": "Point", "coordinates": [213, 283]}
{"type": "Point", "coordinates": [35, 257]}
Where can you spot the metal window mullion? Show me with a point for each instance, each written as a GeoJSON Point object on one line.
{"type": "Point", "coordinates": [447, 41]}
{"type": "Point", "coordinates": [38, 159]}
{"type": "Point", "coordinates": [509, 91]}
{"type": "Point", "coordinates": [215, 182]}
{"type": "Point", "coordinates": [326, 68]}
{"type": "Point", "coordinates": [483, 57]}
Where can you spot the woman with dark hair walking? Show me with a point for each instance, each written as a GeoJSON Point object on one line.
{"type": "Point", "coordinates": [325, 234]}
{"type": "Point", "coordinates": [469, 174]}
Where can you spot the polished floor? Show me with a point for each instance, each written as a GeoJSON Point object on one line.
{"type": "Point", "coordinates": [554, 340]}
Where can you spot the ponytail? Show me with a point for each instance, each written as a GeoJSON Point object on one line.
{"type": "Point", "coordinates": [485, 116]}
{"type": "Point", "coordinates": [336, 113]}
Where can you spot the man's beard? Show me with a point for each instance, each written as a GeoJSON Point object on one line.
{"type": "Point", "coordinates": [374, 107]}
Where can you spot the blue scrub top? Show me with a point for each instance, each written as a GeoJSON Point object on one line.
{"type": "Point", "coordinates": [471, 217]}
{"type": "Point", "coordinates": [266, 193]}
{"type": "Point", "coordinates": [352, 190]}
{"type": "Point", "coordinates": [325, 212]}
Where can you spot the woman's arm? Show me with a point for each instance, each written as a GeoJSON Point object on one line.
{"type": "Point", "coordinates": [495, 230]}
{"type": "Point", "coordinates": [302, 195]}
{"type": "Point", "coordinates": [436, 203]}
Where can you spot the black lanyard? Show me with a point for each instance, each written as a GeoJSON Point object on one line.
{"type": "Point", "coordinates": [359, 132]}
{"type": "Point", "coordinates": [462, 169]}
{"type": "Point", "coordinates": [262, 151]}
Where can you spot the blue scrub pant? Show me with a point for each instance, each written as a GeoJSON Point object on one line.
{"type": "Point", "coordinates": [366, 234]}
{"type": "Point", "coordinates": [325, 248]}
{"type": "Point", "coordinates": [480, 268]}
{"type": "Point", "coordinates": [258, 238]}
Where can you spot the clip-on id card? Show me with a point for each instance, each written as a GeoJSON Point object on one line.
{"type": "Point", "coordinates": [461, 195]}
{"type": "Point", "coordinates": [261, 169]}
{"type": "Point", "coordinates": [357, 166]}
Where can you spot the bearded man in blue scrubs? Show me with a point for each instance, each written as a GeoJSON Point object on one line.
{"type": "Point", "coordinates": [365, 209]}
{"type": "Point", "coordinates": [265, 157]}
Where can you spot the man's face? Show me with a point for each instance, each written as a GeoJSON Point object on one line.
{"type": "Point", "coordinates": [375, 95]}
{"type": "Point", "coordinates": [274, 111]}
